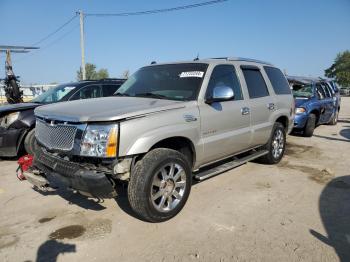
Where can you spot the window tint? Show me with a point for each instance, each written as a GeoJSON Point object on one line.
{"type": "Point", "coordinates": [278, 81]}
{"type": "Point", "coordinates": [320, 92]}
{"type": "Point", "coordinates": [87, 92]}
{"type": "Point", "coordinates": [326, 90]}
{"type": "Point", "coordinates": [225, 75]}
{"type": "Point", "coordinates": [255, 82]}
{"type": "Point", "coordinates": [109, 90]}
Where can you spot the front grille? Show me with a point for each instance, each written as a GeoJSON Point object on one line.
{"type": "Point", "coordinates": [56, 136]}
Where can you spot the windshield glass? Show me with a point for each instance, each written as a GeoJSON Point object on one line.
{"type": "Point", "coordinates": [174, 82]}
{"type": "Point", "coordinates": [303, 90]}
{"type": "Point", "coordinates": [54, 94]}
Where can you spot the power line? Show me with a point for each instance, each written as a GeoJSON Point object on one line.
{"type": "Point", "coordinates": [49, 45]}
{"type": "Point", "coordinates": [156, 11]}
{"type": "Point", "coordinates": [55, 31]}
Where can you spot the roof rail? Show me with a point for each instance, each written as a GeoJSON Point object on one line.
{"type": "Point", "coordinates": [242, 59]}
{"type": "Point", "coordinates": [104, 79]}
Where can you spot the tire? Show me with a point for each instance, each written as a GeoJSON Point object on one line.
{"type": "Point", "coordinates": [147, 187]}
{"type": "Point", "coordinates": [272, 158]}
{"type": "Point", "coordinates": [334, 119]}
{"type": "Point", "coordinates": [310, 126]}
{"type": "Point", "coordinates": [29, 142]}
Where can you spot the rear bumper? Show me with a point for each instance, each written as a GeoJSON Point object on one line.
{"type": "Point", "coordinates": [88, 182]}
{"type": "Point", "coordinates": [300, 121]}
{"type": "Point", "coordinates": [10, 140]}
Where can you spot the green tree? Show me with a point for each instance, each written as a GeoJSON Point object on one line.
{"type": "Point", "coordinates": [91, 73]}
{"type": "Point", "coordinates": [340, 69]}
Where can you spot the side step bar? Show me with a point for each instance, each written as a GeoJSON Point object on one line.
{"type": "Point", "coordinates": [202, 175]}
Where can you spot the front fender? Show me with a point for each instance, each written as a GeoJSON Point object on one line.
{"type": "Point", "coordinates": [144, 143]}
{"type": "Point", "coordinates": [138, 136]}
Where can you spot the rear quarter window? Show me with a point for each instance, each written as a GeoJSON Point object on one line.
{"type": "Point", "coordinates": [278, 81]}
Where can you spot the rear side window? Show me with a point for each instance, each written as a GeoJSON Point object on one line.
{"type": "Point", "coordinates": [225, 75]}
{"type": "Point", "coordinates": [109, 90]}
{"type": "Point", "coordinates": [278, 81]}
{"type": "Point", "coordinates": [92, 91]}
{"type": "Point", "coordinates": [255, 82]}
{"type": "Point", "coordinates": [320, 92]}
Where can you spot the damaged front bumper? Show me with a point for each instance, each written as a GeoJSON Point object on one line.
{"type": "Point", "coordinates": [87, 182]}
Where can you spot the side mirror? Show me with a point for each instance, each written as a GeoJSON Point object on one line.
{"type": "Point", "coordinates": [220, 94]}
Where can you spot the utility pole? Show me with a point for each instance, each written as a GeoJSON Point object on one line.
{"type": "Point", "coordinates": [82, 44]}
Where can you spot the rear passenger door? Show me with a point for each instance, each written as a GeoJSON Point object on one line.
{"type": "Point", "coordinates": [329, 103]}
{"type": "Point", "coordinates": [322, 98]}
{"type": "Point", "coordinates": [261, 104]}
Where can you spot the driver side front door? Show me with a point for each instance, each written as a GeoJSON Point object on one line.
{"type": "Point", "coordinates": [225, 126]}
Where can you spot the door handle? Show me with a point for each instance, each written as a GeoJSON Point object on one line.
{"type": "Point", "coordinates": [271, 106]}
{"type": "Point", "coordinates": [245, 111]}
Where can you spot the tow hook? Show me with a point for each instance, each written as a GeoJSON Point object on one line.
{"type": "Point", "coordinates": [24, 164]}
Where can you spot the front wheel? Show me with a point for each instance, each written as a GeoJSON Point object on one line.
{"type": "Point", "coordinates": [159, 185]}
{"type": "Point", "coordinates": [276, 145]}
{"type": "Point", "coordinates": [310, 126]}
{"type": "Point", "coordinates": [29, 142]}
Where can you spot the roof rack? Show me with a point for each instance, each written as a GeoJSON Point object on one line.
{"type": "Point", "coordinates": [242, 59]}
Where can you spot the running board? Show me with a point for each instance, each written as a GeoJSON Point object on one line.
{"type": "Point", "coordinates": [229, 165]}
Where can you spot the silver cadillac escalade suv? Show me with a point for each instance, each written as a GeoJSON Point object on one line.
{"type": "Point", "coordinates": [167, 125]}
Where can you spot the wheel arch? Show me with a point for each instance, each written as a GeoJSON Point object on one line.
{"type": "Point", "coordinates": [284, 120]}
{"type": "Point", "coordinates": [316, 113]}
{"type": "Point", "coordinates": [178, 143]}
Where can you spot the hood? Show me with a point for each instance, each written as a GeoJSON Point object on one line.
{"type": "Point", "coordinates": [300, 101]}
{"type": "Point", "coordinates": [17, 107]}
{"type": "Point", "coordinates": [105, 109]}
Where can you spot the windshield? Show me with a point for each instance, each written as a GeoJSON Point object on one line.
{"type": "Point", "coordinates": [303, 91]}
{"type": "Point", "coordinates": [54, 94]}
{"type": "Point", "coordinates": [174, 82]}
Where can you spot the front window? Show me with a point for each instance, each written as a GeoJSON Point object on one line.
{"type": "Point", "coordinates": [54, 94]}
{"type": "Point", "coordinates": [180, 82]}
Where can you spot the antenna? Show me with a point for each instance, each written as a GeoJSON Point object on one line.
{"type": "Point", "coordinates": [197, 58]}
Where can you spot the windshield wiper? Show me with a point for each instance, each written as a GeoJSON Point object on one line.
{"type": "Point", "coordinates": [121, 94]}
{"type": "Point", "coordinates": [152, 95]}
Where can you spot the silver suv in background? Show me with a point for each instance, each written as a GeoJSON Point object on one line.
{"type": "Point", "coordinates": [167, 124]}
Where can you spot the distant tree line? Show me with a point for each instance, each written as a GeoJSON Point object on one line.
{"type": "Point", "coordinates": [93, 74]}
{"type": "Point", "coordinates": [340, 69]}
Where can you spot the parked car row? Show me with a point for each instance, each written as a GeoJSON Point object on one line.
{"type": "Point", "coordinates": [171, 123]}
{"type": "Point", "coordinates": [317, 102]}
{"type": "Point", "coordinates": [17, 121]}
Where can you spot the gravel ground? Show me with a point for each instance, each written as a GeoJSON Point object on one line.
{"type": "Point", "coordinates": [296, 211]}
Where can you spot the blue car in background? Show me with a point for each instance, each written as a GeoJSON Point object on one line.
{"type": "Point", "coordinates": [316, 103]}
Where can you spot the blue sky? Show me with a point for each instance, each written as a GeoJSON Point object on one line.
{"type": "Point", "coordinates": [302, 37]}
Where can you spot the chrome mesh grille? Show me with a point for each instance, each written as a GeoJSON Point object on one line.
{"type": "Point", "coordinates": [58, 136]}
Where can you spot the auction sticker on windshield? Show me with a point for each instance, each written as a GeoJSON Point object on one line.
{"type": "Point", "coordinates": [192, 74]}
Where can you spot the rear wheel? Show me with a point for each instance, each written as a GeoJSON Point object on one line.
{"type": "Point", "coordinates": [160, 184]}
{"type": "Point", "coordinates": [29, 142]}
{"type": "Point", "coordinates": [310, 126]}
{"type": "Point", "coordinates": [334, 119]}
{"type": "Point", "coordinates": [276, 145]}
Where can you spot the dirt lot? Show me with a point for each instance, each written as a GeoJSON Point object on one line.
{"type": "Point", "coordinates": [296, 211]}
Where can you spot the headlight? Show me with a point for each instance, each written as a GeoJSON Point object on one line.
{"type": "Point", "coordinates": [7, 120]}
{"type": "Point", "coordinates": [300, 110]}
{"type": "Point", "coordinates": [100, 141]}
